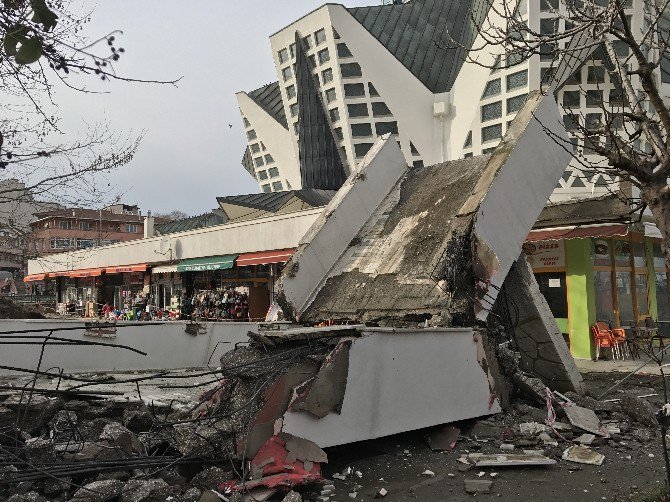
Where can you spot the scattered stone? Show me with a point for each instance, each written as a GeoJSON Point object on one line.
{"type": "Point", "coordinates": [210, 478]}
{"type": "Point", "coordinates": [26, 497]}
{"type": "Point", "coordinates": [428, 473]}
{"type": "Point", "coordinates": [353, 495]}
{"type": "Point", "coordinates": [381, 493]}
{"type": "Point", "coordinates": [638, 410]}
{"type": "Point", "coordinates": [99, 491]}
{"type": "Point", "coordinates": [585, 439]}
{"type": "Point", "coordinates": [292, 497]}
{"type": "Point", "coordinates": [532, 428]}
{"type": "Point", "coordinates": [191, 495]}
{"type": "Point", "coordinates": [507, 447]}
{"type": "Point", "coordinates": [474, 486]}
{"type": "Point", "coordinates": [117, 435]}
{"type": "Point", "coordinates": [547, 439]}
{"type": "Point", "coordinates": [145, 490]}
{"type": "Point", "coordinates": [583, 455]}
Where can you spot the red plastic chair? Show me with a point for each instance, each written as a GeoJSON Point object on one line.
{"type": "Point", "coordinates": [603, 339]}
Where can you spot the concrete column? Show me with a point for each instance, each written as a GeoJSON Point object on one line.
{"type": "Point", "coordinates": [581, 297]}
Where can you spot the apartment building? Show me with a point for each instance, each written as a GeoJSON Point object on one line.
{"type": "Point", "coordinates": [62, 230]}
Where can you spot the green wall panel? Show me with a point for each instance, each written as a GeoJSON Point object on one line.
{"type": "Point", "coordinates": [581, 297]}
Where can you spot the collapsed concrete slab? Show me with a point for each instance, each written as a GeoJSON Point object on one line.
{"type": "Point", "coordinates": [434, 243]}
{"type": "Point", "coordinates": [538, 338]}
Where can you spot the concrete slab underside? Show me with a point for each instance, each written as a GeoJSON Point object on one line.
{"type": "Point", "coordinates": [404, 380]}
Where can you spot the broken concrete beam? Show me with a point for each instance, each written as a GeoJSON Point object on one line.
{"type": "Point", "coordinates": [344, 217]}
{"type": "Point", "coordinates": [540, 342]}
{"type": "Point", "coordinates": [401, 380]}
{"type": "Point", "coordinates": [435, 244]}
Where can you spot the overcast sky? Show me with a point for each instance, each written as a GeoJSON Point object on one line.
{"type": "Point", "coordinates": [189, 155]}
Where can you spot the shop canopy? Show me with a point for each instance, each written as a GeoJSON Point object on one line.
{"type": "Point", "coordinates": [212, 263]}
{"type": "Point", "coordinates": [128, 268]}
{"type": "Point", "coordinates": [91, 272]}
{"type": "Point", "coordinates": [35, 277]}
{"type": "Point", "coordinates": [577, 232]}
{"type": "Point", "coordinates": [164, 269]}
{"type": "Point", "coordinates": [264, 257]}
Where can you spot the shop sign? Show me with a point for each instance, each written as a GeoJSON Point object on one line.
{"type": "Point", "coordinates": [545, 254]}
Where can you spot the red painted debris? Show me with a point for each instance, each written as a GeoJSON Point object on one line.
{"type": "Point", "coordinates": [275, 470]}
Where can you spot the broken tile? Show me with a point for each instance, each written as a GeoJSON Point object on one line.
{"type": "Point", "coordinates": [474, 486]}
{"type": "Point", "coordinates": [583, 455]}
{"type": "Point", "coordinates": [585, 439]}
{"type": "Point", "coordinates": [585, 419]}
{"type": "Point", "coordinates": [381, 493]}
{"type": "Point", "coordinates": [509, 460]}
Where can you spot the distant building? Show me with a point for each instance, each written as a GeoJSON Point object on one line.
{"type": "Point", "coordinates": [71, 229]}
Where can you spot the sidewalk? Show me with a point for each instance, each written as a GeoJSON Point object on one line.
{"type": "Point", "coordinates": [627, 366]}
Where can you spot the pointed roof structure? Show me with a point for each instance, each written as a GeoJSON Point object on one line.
{"type": "Point", "coordinates": [431, 38]}
{"type": "Point", "coordinates": [320, 162]}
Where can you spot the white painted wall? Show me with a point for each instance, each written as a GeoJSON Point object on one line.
{"type": "Point", "coordinates": [275, 138]}
{"type": "Point", "coordinates": [263, 234]}
{"type": "Point", "coordinates": [185, 351]}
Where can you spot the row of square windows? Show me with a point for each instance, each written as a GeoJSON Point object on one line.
{"type": "Point", "coordinates": [492, 111]}
{"type": "Point", "coordinates": [350, 91]}
{"type": "Point", "coordinates": [348, 70]}
{"type": "Point", "coordinates": [289, 52]}
{"type": "Point", "coordinates": [553, 5]}
{"type": "Point", "coordinates": [275, 186]}
{"type": "Point", "coordinates": [261, 161]}
{"type": "Point", "coordinates": [273, 172]}
{"type": "Point", "coordinates": [514, 81]}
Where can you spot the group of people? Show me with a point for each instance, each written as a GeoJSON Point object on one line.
{"type": "Point", "coordinates": [138, 308]}
{"type": "Point", "coordinates": [215, 305]}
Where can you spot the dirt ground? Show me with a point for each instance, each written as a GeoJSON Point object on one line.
{"type": "Point", "coordinates": [632, 468]}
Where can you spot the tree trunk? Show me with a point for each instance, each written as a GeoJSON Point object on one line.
{"type": "Point", "coordinates": [659, 204]}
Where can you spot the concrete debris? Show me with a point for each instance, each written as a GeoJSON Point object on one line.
{"type": "Point", "coordinates": [547, 439]}
{"type": "Point", "coordinates": [638, 410]}
{"type": "Point", "coordinates": [585, 439]}
{"type": "Point", "coordinates": [510, 460]}
{"type": "Point", "coordinates": [532, 428]}
{"type": "Point", "coordinates": [292, 497]}
{"type": "Point", "coordinates": [444, 438]}
{"type": "Point", "coordinates": [583, 455]}
{"type": "Point", "coordinates": [381, 493]}
{"type": "Point", "coordinates": [475, 486]}
{"type": "Point", "coordinates": [428, 473]}
{"type": "Point", "coordinates": [585, 419]}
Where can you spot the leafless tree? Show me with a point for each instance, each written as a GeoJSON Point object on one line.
{"type": "Point", "coordinates": [43, 42]}
{"type": "Point", "coordinates": [172, 215]}
{"type": "Point", "coordinates": [626, 134]}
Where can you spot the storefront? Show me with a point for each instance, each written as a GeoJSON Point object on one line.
{"type": "Point", "coordinates": [611, 273]}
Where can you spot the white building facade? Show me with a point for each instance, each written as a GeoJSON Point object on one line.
{"type": "Point", "coordinates": [400, 68]}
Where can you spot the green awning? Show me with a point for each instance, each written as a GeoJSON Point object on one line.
{"type": "Point", "coordinates": [212, 263]}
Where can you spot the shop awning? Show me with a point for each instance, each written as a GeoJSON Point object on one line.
{"type": "Point", "coordinates": [651, 230]}
{"type": "Point", "coordinates": [164, 269]}
{"type": "Point", "coordinates": [264, 257]}
{"type": "Point", "coordinates": [91, 272]}
{"type": "Point", "coordinates": [128, 268]}
{"type": "Point", "coordinates": [212, 263]}
{"type": "Point", "coordinates": [34, 277]}
{"type": "Point", "coordinates": [577, 232]}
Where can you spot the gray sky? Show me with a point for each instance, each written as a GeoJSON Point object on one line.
{"type": "Point", "coordinates": [189, 155]}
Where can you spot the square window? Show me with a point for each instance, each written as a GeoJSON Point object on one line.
{"type": "Point", "coordinates": [338, 133]}
{"type": "Point", "coordinates": [324, 56]}
{"type": "Point", "coordinates": [263, 175]}
{"type": "Point", "coordinates": [258, 161]}
{"type": "Point", "coordinates": [492, 88]}
{"type": "Point", "coordinates": [596, 75]}
{"type": "Point", "coordinates": [85, 225]}
{"type": "Point", "coordinates": [307, 41]}
{"type": "Point", "coordinates": [351, 70]}
{"type": "Point", "coordinates": [312, 61]}
{"type": "Point", "coordinates": [320, 36]}
{"type": "Point", "coordinates": [334, 114]}
{"type": "Point", "coordinates": [516, 103]}
{"type": "Point", "coordinates": [290, 91]}
{"type": "Point", "coordinates": [286, 73]}
{"type": "Point", "coordinates": [294, 110]}
{"type": "Point", "coordinates": [361, 130]}
{"type": "Point", "coordinates": [354, 90]}
{"type": "Point", "coordinates": [330, 95]}
{"type": "Point", "coordinates": [593, 120]}
{"type": "Point", "coordinates": [255, 148]}
{"type": "Point", "coordinates": [269, 159]}
{"type": "Point", "coordinates": [548, 26]}
{"type": "Point", "coordinates": [277, 186]}
{"type": "Point", "coordinates": [246, 122]}
{"type": "Point", "coordinates": [251, 135]}
{"type": "Point", "coordinates": [361, 149]}
{"type": "Point", "coordinates": [380, 109]}
{"type": "Point", "coordinates": [267, 188]}
{"type": "Point", "coordinates": [358, 110]}
{"type": "Point", "coordinates": [570, 122]}
{"type": "Point", "coordinates": [327, 75]}
{"type": "Point", "coordinates": [273, 172]}
{"type": "Point", "coordinates": [283, 56]}
{"type": "Point", "coordinates": [417, 164]}
{"type": "Point", "coordinates": [131, 228]}
{"type": "Point", "coordinates": [547, 52]}
{"type": "Point", "coordinates": [571, 99]}
{"type": "Point", "coordinates": [516, 80]}
{"type": "Point", "coordinates": [65, 225]}
{"type": "Point", "coordinates": [386, 128]}
{"type": "Point", "coordinates": [343, 51]}
{"type": "Point", "coordinates": [491, 111]}
{"type": "Point", "coordinates": [594, 98]}
{"type": "Point", "coordinates": [291, 49]}
{"type": "Point", "coordinates": [491, 133]}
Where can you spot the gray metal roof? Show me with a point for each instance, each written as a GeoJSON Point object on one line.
{"type": "Point", "coordinates": [269, 99]}
{"type": "Point", "coordinates": [320, 163]}
{"type": "Point", "coordinates": [429, 37]}
{"type": "Point", "coordinates": [274, 201]}
{"type": "Point", "coordinates": [202, 221]}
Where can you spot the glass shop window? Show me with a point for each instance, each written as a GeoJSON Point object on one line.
{"type": "Point", "coordinates": [604, 296]}
{"type": "Point", "coordinates": [622, 253]}
{"type": "Point", "coordinates": [554, 289]}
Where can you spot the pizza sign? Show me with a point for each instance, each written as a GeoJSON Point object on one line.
{"type": "Point", "coordinates": [545, 254]}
